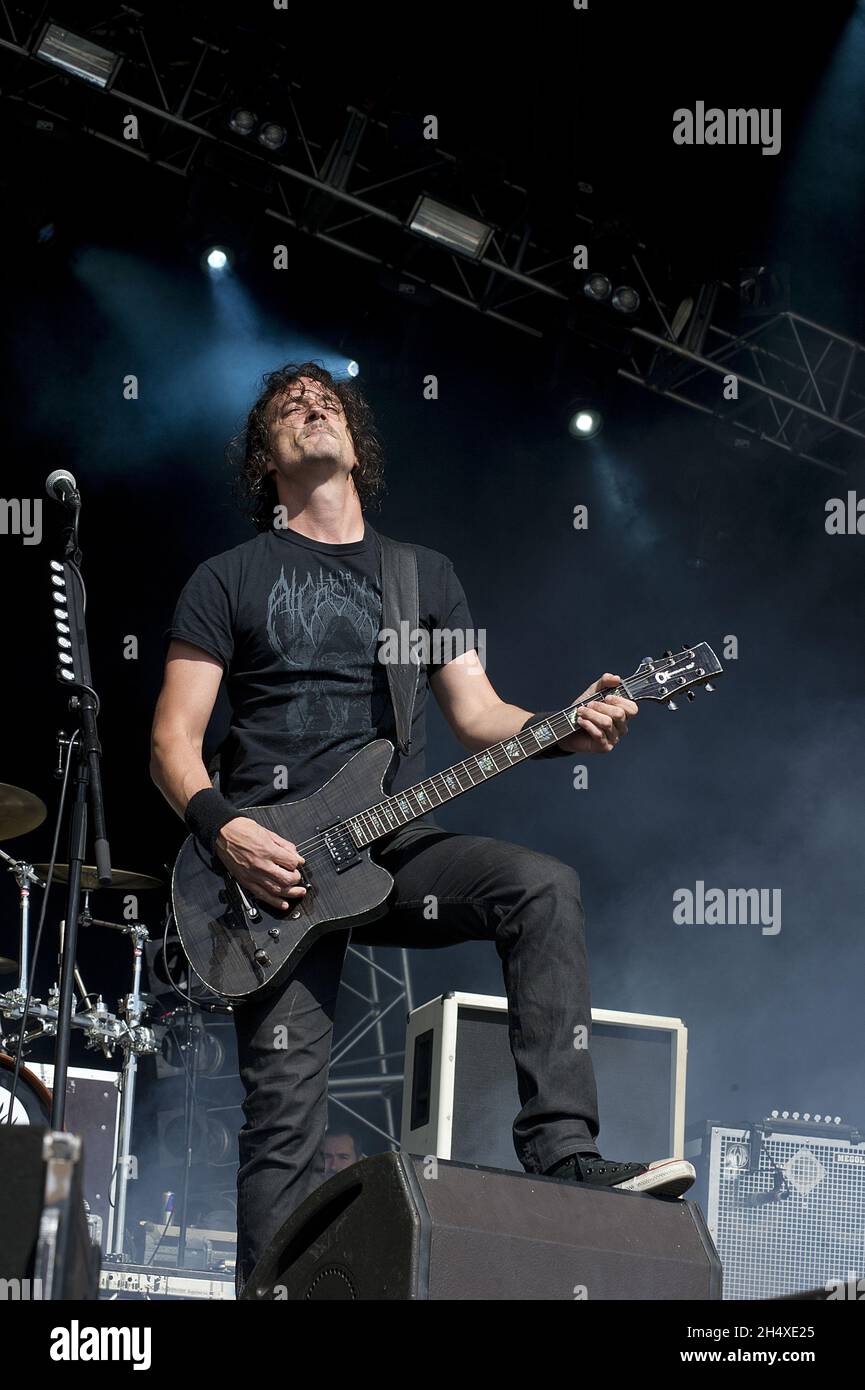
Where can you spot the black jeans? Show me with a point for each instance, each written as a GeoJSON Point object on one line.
{"type": "Point", "coordinates": [529, 905]}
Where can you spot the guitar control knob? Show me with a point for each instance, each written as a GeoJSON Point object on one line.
{"type": "Point", "coordinates": [261, 957]}
{"type": "Point", "coordinates": [671, 704]}
{"type": "Point", "coordinates": [691, 695]}
{"type": "Point", "coordinates": [710, 688]}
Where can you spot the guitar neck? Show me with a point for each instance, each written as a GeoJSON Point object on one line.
{"type": "Point", "coordinates": [405, 806]}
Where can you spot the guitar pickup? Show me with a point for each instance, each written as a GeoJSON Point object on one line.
{"type": "Point", "coordinates": [341, 848]}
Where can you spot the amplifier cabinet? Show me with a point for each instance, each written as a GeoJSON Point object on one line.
{"type": "Point", "coordinates": [785, 1210]}
{"type": "Point", "coordinates": [460, 1096]}
{"type": "Point", "coordinates": [93, 1112]}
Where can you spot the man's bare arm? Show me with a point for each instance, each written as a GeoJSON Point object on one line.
{"type": "Point", "coordinates": [478, 716]}
{"type": "Point", "coordinates": [183, 711]}
{"type": "Point", "coordinates": [260, 860]}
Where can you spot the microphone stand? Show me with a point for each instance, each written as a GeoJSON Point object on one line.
{"type": "Point", "coordinates": [83, 705]}
{"type": "Point", "coordinates": [193, 1046]}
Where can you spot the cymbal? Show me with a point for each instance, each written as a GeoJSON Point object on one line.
{"type": "Point", "coordinates": [120, 878]}
{"type": "Point", "coordinates": [7, 966]}
{"type": "Point", "coordinates": [20, 811]}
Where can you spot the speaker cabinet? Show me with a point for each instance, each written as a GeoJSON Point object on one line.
{"type": "Point", "coordinates": [460, 1096]}
{"type": "Point", "coordinates": [398, 1227]}
{"type": "Point", "coordinates": [786, 1207]}
{"type": "Point", "coordinates": [45, 1246]}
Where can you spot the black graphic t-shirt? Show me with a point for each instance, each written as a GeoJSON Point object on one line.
{"type": "Point", "coordinates": [296, 626]}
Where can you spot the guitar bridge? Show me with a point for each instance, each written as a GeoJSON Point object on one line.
{"type": "Point", "coordinates": [341, 848]}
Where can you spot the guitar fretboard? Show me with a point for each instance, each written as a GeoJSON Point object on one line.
{"type": "Point", "coordinates": [395, 811]}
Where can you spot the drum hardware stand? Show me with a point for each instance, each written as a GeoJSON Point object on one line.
{"type": "Point", "coordinates": [136, 1040]}
{"type": "Point", "coordinates": [12, 1002]}
{"type": "Point", "coordinates": [126, 1030]}
{"type": "Point", "coordinates": [24, 874]}
{"type": "Point", "coordinates": [82, 988]}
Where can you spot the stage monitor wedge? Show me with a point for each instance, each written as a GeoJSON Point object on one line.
{"type": "Point", "coordinates": [398, 1227]}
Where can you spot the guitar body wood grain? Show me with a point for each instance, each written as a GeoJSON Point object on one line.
{"type": "Point", "coordinates": [239, 957]}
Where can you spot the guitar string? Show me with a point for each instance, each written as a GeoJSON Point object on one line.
{"type": "Point", "coordinates": [308, 847]}
{"type": "Point", "coordinates": [376, 811]}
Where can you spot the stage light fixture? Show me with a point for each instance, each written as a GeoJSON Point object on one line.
{"type": "Point", "coordinates": [585, 422]}
{"type": "Point", "coordinates": [242, 121]}
{"type": "Point", "coordinates": [272, 136]}
{"type": "Point", "coordinates": [217, 259]}
{"type": "Point", "coordinates": [353, 368]}
{"type": "Point", "coordinates": [77, 56]}
{"type": "Point", "coordinates": [597, 286]}
{"type": "Point", "coordinates": [626, 300]}
{"type": "Point", "coordinates": [452, 229]}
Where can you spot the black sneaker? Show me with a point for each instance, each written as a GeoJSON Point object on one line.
{"type": "Point", "coordinates": [667, 1177]}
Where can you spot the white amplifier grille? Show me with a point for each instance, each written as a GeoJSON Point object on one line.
{"type": "Point", "coordinates": [796, 1222]}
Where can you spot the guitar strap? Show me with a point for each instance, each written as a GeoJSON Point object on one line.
{"type": "Point", "coordinates": [399, 603]}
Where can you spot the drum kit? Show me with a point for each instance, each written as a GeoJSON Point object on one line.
{"type": "Point", "coordinates": [125, 1031]}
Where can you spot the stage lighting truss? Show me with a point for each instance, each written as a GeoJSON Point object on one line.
{"type": "Point", "coordinates": [801, 387]}
{"type": "Point", "coordinates": [786, 382]}
{"type": "Point", "coordinates": [371, 192]}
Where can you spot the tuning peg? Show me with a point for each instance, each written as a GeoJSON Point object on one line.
{"type": "Point", "coordinates": [691, 695]}
{"type": "Point", "coordinates": [710, 688]}
{"type": "Point", "coordinates": [671, 704]}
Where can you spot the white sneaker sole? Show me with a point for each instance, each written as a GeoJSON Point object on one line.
{"type": "Point", "coordinates": [668, 1177]}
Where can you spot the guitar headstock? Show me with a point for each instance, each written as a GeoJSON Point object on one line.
{"type": "Point", "coordinates": [663, 678]}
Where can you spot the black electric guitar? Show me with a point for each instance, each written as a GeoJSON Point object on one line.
{"type": "Point", "coordinates": [240, 946]}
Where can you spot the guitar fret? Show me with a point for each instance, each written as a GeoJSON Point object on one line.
{"type": "Point", "coordinates": [376, 821]}
{"type": "Point", "coordinates": [434, 790]}
{"type": "Point", "coordinates": [542, 734]}
{"type": "Point", "coordinates": [513, 750]}
{"type": "Point", "coordinates": [407, 805]}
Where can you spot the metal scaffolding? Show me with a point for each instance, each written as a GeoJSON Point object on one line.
{"type": "Point", "coordinates": [787, 381]}
{"type": "Point", "coordinates": [350, 176]}
{"type": "Point", "coordinates": [344, 176]}
{"type": "Point", "coordinates": [371, 1096]}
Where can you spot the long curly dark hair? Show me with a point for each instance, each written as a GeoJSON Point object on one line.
{"type": "Point", "coordinates": [248, 453]}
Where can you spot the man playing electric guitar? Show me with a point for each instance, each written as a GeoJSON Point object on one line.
{"type": "Point", "coordinates": [291, 620]}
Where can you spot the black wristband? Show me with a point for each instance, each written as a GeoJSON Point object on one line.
{"type": "Point", "coordinates": [556, 751]}
{"type": "Point", "coordinates": [206, 813]}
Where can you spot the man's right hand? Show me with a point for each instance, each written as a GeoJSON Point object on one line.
{"type": "Point", "coordinates": [262, 862]}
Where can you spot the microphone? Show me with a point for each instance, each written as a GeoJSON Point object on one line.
{"type": "Point", "coordinates": [62, 487]}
